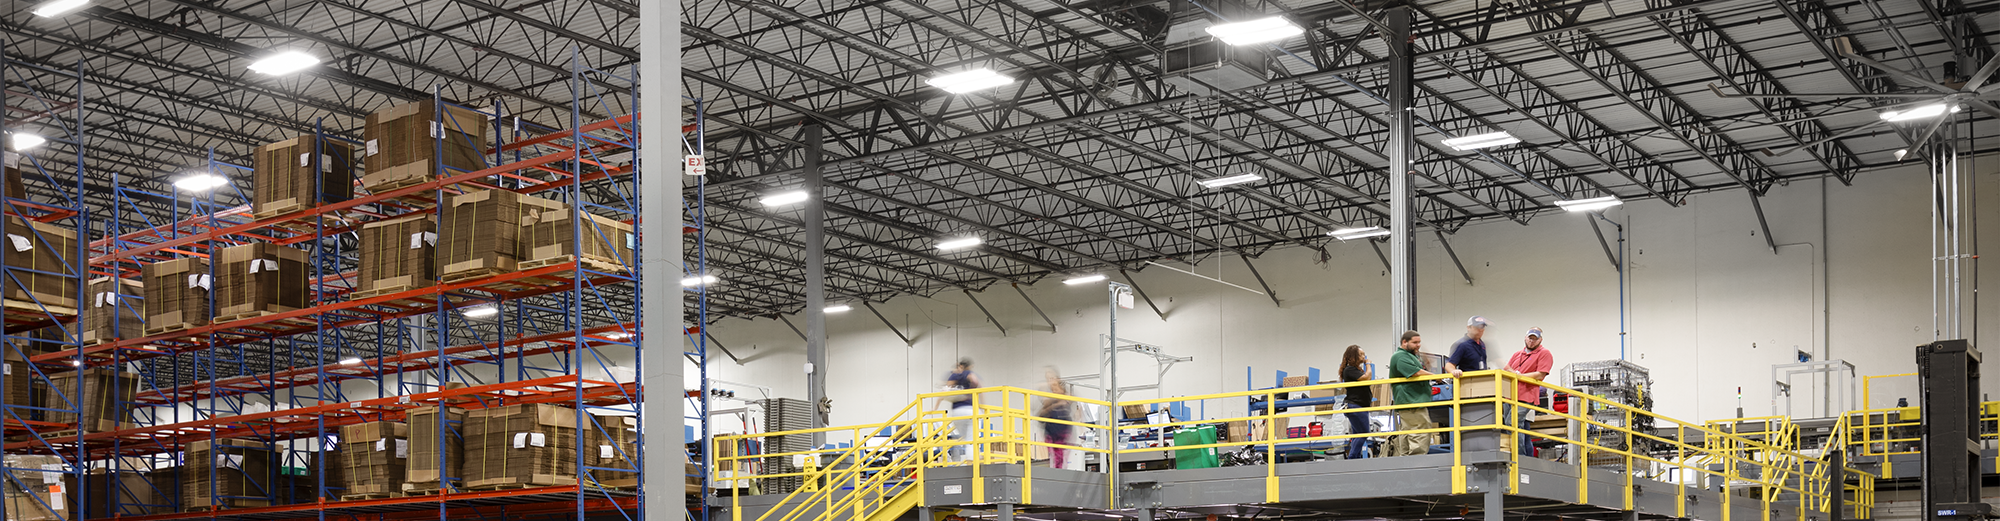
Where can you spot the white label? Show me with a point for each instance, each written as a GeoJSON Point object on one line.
{"type": "Point", "coordinates": [7, 369]}
{"type": "Point", "coordinates": [954, 489]}
{"type": "Point", "coordinates": [371, 147]}
{"type": "Point", "coordinates": [381, 445]}
{"type": "Point", "coordinates": [631, 422]}
{"type": "Point", "coordinates": [231, 461]}
{"type": "Point", "coordinates": [305, 159]}
{"type": "Point", "coordinates": [1524, 479]}
{"type": "Point", "coordinates": [21, 243]}
{"type": "Point", "coordinates": [263, 265]}
{"type": "Point", "coordinates": [604, 452]}
{"type": "Point", "coordinates": [520, 440]}
{"type": "Point", "coordinates": [199, 281]}
{"type": "Point", "coordinates": [437, 130]}
{"type": "Point", "coordinates": [696, 165]}
{"type": "Point", "coordinates": [13, 160]}
{"type": "Point", "coordinates": [56, 500]}
{"type": "Point", "coordinates": [402, 448]}
{"type": "Point", "coordinates": [1124, 299]}
{"type": "Point", "coordinates": [52, 473]}
{"type": "Point", "coordinates": [418, 240]}
{"type": "Point", "coordinates": [538, 440]}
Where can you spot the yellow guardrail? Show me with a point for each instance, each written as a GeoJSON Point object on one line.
{"type": "Point", "coordinates": [884, 459]}
{"type": "Point", "coordinates": [1722, 457]}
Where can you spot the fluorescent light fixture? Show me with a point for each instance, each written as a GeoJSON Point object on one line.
{"type": "Point", "coordinates": [1261, 30]}
{"type": "Point", "coordinates": [24, 141]}
{"type": "Point", "coordinates": [350, 361]}
{"type": "Point", "coordinates": [1478, 141]}
{"type": "Point", "coordinates": [699, 281]}
{"type": "Point", "coordinates": [785, 198]}
{"type": "Point", "coordinates": [481, 311]}
{"type": "Point", "coordinates": [1348, 234]}
{"type": "Point", "coordinates": [284, 63]}
{"type": "Point", "coordinates": [1237, 179]}
{"type": "Point", "coordinates": [618, 336]}
{"type": "Point", "coordinates": [58, 7]}
{"type": "Point", "coordinates": [1590, 205]}
{"type": "Point", "coordinates": [76, 363]}
{"type": "Point", "coordinates": [200, 182]}
{"type": "Point", "coordinates": [959, 243]}
{"type": "Point", "coordinates": [1927, 111]}
{"type": "Point", "coordinates": [837, 308]}
{"type": "Point", "coordinates": [1085, 279]}
{"type": "Point", "coordinates": [970, 81]}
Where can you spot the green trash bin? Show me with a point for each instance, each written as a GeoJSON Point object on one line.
{"type": "Point", "coordinates": [1202, 458]}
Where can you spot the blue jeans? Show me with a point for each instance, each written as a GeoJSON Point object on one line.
{"type": "Point", "coordinates": [1357, 423]}
{"type": "Point", "coordinates": [1527, 448]}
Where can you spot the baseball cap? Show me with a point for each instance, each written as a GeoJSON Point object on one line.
{"type": "Point", "coordinates": [1535, 332]}
{"type": "Point", "coordinates": [1477, 320]}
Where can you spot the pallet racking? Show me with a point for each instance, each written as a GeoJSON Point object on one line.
{"type": "Point", "coordinates": [561, 332]}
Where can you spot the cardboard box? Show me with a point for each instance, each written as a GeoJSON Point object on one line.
{"type": "Point", "coordinates": [428, 427]}
{"type": "Point", "coordinates": [133, 493]}
{"type": "Point", "coordinates": [373, 456]}
{"type": "Point", "coordinates": [1259, 432]}
{"type": "Point", "coordinates": [1295, 381]}
{"type": "Point", "coordinates": [1135, 411]}
{"type": "Point", "coordinates": [241, 471]}
{"type": "Point", "coordinates": [613, 442]}
{"type": "Point", "coordinates": [551, 235]}
{"type": "Point", "coordinates": [38, 255]}
{"type": "Point", "coordinates": [398, 254]}
{"type": "Point", "coordinates": [260, 277]}
{"type": "Point", "coordinates": [1237, 431]}
{"type": "Point", "coordinates": [32, 495]}
{"type": "Point", "coordinates": [93, 393]}
{"type": "Point", "coordinates": [294, 174]}
{"type": "Point", "coordinates": [481, 231]}
{"type": "Point", "coordinates": [1326, 393]}
{"type": "Point", "coordinates": [401, 144]}
{"type": "Point", "coordinates": [177, 293]}
{"type": "Point", "coordinates": [15, 187]}
{"type": "Point", "coordinates": [526, 444]}
{"type": "Point", "coordinates": [108, 315]}
{"type": "Point", "coordinates": [1484, 386]}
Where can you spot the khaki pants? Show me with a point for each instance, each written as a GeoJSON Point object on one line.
{"type": "Point", "coordinates": [1412, 444]}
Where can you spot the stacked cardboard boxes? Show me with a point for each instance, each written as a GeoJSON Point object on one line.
{"type": "Point", "coordinates": [405, 143]}
{"type": "Point", "coordinates": [294, 174]}
{"type": "Point", "coordinates": [176, 294]}
{"type": "Point", "coordinates": [241, 472]}
{"type": "Point", "coordinates": [33, 495]}
{"type": "Point", "coordinates": [109, 315]}
{"type": "Point", "coordinates": [39, 254]}
{"type": "Point", "coordinates": [520, 445]}
{"type": "Point", "coordinates": [372, 458]}
{"type": "Point", "coordinates": [260, 278]}
{"type": "Point", "coordinates": [133, 493]}
{"type": "Point", "coordinates": [95, 394]}
{"type": "Point", "coordinates": [481, 232]}
{"type": "Point", "coordinates": [426, 424]}
{"type": "Point", "coordinates": [397, 255]}
{"type": "Point", "coordinates": [606, 245]}
{"type": "Point", "coordinates": [15, 188]}
{"type": "Point", "coordinates": [20, 378]}
{"type": "Point", "coordinates": [612, 442]}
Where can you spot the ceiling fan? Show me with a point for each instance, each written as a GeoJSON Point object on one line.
{"type": "Point", "coordinates": [1952, 95]}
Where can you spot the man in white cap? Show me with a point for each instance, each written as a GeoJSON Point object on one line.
{"type": "Point", "coordinates": [1532, 362]}
{"type": "Point", "coordinates": [1469, 353]}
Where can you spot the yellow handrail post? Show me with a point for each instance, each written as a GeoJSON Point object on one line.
{"type": "Point", "coordinates": [1271, 447]}
{"type": "Point", "coordinates": [978, 426]}
{"type": "Point", "coordinates": [1629, 448]}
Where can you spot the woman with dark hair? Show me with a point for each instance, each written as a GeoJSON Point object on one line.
{"type": "Point", "coordinates": [1354, 368]}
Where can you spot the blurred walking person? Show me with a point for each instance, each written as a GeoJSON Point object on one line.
{"type": "Point", "coordinates": [962, 378]}
{"type": "Point", "coordinates": [1053, 432]}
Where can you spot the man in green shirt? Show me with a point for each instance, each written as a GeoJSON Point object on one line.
{"type": "Point", "coordinates": [1404, 364]}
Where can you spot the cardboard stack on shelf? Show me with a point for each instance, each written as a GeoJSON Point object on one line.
{"type": "Point", "coordinates": [481, 232]}
{"type": "Point", "coordinates": [241, 471]}
{"type": "Point", "coordinates": [606, 245]}
{"type": "Point", "coordinates": [527, 445]}
{"type": "Point", "coordinates": [422, 474]}
{"type": "Point", "coordinates": [177, 293]}
{"type": "Point", "coordinates": [15, 187]}
{"type": "Point", "coordinates": [91, 398]}
{"type": "Point", "coordinates": [133, 493]}
{"type": "Point", "coordinates": [44, 281]}
{"type": "Point", "coordinates": [403, 144]}
{"type": "Point", "coordinates": [33, 495]}
{"type": "Point", "coordinates": [397, 255]}
{"type": "Point", "coordinates": [612, 442]}
{"type": "Point", "coordinates": [294, 175]}
{"type": "Point", "coordinates": [260, 278]}
{"type": "Point", "coordinates": [372, 459]}
{"type": "Point", "coordinates": [109, 315]}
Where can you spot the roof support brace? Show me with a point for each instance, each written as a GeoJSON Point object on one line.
{"type": "Point", "coordinates": [1038, 309]}
{"type": "Point", "coordinates": [989, 314]}
{"type": "Point", "coordinates": [1142, 294]}
{"type": "Point", "coordinates": [885, 322]}
{"type": "Point", "coordinates": [1260, 281]}
{"type": "Point", "coordinates": [1757, 204]}
{"type": "Point", "coordinates": [1454, 258]}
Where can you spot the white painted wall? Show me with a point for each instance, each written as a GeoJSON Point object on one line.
{"type": "Point", "coordinates": [1711, 306]}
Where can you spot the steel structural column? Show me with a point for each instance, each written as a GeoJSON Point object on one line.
{"type": "Point", "coordinates": [815, 225]}
{"type": "Point", "coordinates": [1402, 280]}
{"type": "Point", "coordinates": [662, 337]}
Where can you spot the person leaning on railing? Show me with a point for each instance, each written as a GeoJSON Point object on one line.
{"type": "Point", "coordinates": [1406, 363]}
{"type": "Point", "coordinates": [1354, 368]}
{"type": "Point", "coordinates": [1532, 362]}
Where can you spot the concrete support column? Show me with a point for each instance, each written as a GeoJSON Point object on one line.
{"type": "Point", "coordinates": [1402, 64]}
{"type": "Point", "coordinates": [815, 223]}
{"type": "Point", "coordinates": [662, 262]}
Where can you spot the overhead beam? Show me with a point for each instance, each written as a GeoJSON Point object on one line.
{"type": "Point", "coordinates": [1142, 293]}
{"type": "Point", "coordinates": [1454, 258]}
{"type": "Point", "coordinates": [885, 322]}
{"type": "Point", "coordinates": [1260, 282]}
{"type": "Point", "coordinates": [1038, 309]}
{"type": "Point", "coordinates": [989, 314]}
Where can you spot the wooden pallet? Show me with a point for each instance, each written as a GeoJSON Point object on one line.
{"type": "Point", "coordinates": [497, 486]}
{"type": "Point", "coordinates": [413, 301]}
{"type": "Point", "coordinates": [465, 275]}
{"type": "Point", "coordinates": [26, 306]}
{"type": "Point", "coordinates": [377, 495]}
{"type": "Point", "coordinates": [589, 261]}
{"type": "Point", "coordinates": [168, 329]}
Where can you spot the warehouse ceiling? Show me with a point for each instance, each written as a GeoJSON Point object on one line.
{"type": "Point", "coordinates": [1089, 162]}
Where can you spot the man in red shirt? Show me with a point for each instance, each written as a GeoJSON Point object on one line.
{"type": "Point", "coordinates": [1533, 362]}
